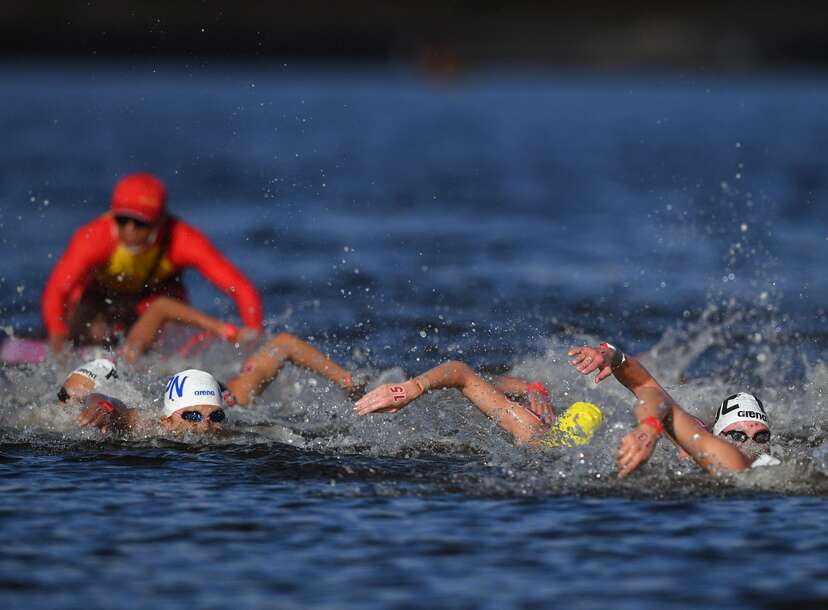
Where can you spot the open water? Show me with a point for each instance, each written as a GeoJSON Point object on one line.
{"type": "Point", "coordinates": [398, 221]}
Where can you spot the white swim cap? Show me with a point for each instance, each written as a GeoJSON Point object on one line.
{"type": "Point", "coordinates": [97, 370]}
{"type": "Point", "coordinates": [190, 388]}
{"type": "Point", "coordinates": [739, 407]}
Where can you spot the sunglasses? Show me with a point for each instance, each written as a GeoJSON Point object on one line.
{"type": "Point", "coordinates": [216, 416]}
{"type": "Point", "coordinates": [763, 436]}
{"type": "Point", "coordinates": [125, 220]}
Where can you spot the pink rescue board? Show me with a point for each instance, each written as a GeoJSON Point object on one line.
{"type": "Point", "coordinates": [16, 350]}
{"type": "Point", "coordinates": [22, 350]}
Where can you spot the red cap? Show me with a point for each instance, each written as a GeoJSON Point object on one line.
{"type": "Point", "coordinates": [139, 196]}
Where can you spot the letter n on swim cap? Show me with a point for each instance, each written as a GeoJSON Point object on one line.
{"type": "Point", "coordinates": [176, 384]}
{"type": "Point", "coordinates": [191, 388]}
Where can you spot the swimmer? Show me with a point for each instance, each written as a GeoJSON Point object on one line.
{"type": "Point", "coordinates": [257, 373]}
{"type": "Point", "coordinates": [117, 264]}
{"type": "Point", "coordinates": [192, 403]}
{"type": "Point", "coordinates": [85, 379]}
{"type": "Point", "coordinates": [740, 432]}
{"type": "Point", "coordinates": [535, 424]}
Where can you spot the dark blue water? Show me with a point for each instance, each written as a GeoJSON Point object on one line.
{"type": "Point", "coordinates": [397, 223]}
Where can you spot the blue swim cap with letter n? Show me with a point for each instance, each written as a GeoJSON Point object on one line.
{"type": "Point", "coordinates": [191, 388]}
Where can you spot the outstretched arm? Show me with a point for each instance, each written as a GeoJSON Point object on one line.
{"type": "Point", "coordinates": [656, 410]}
{"type": "Point", "coordinates": [263, 367]}
{"type": "Point", "coordinates": [509, 415]}
{"type": "Point", "coordinates": [162, 310]}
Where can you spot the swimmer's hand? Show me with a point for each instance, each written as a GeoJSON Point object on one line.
{"type": "Point", "coordinates": [588, 359]}
{"type": "Point", "coordinates": [101, 412]}
{"type": "Point", "coordinates": [540, 406]}
{"type": "Point", "coordinates": [388, 398]}
{"type": "Point", "coordinates": [635, 449]}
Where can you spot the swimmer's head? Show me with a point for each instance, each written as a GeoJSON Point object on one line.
{"type": "Point", "coordinates": [741, 419]}
{"type": "Point", "coordinates": [85, 379]}
{"type": "Point", "coordinates": [193, 402]}
{"type": "Point", "coordinates": [576, 425]}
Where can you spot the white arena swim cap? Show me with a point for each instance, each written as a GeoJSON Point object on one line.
{"type": "Point", "coordinates": [190, 388]}
{"type": "Point", "coordinates": [97, 370]}
{"type": "Point", "coordinates": [739, 407]}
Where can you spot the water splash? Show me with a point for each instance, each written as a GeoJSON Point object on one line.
{"type": "Point", "coordinates": [305, 412]}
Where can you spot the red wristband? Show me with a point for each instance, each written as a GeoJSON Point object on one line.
{"type": "Point", "coordinates": [106, 406]}
{"type": "Point", "coordinates": [537, 386]}
{"type": "Point", "coordinates": [230, 332]}
{"type": "Point", "coordinates": [654, 423]}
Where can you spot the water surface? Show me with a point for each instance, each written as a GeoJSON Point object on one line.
{"type": "Point", "coordinates": [397, 223]}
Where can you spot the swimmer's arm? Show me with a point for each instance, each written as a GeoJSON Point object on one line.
{"type": "Point", "coordinates": [105, 413]}
{"type": "Point", "coordinates": [536, 393]}
{"type": "Point", "coordinates": [162, 310]}
{"type": "Point", "coordinates": [515, 386]}
{"type": "Point", "coordinates": [511, 386]}
{"type": "Point", "coordinates": [713, 454]}
{"type": "Point", "coordinates": [510, 416]}
{"type": "Point", "coordinates": [262, 368]}
{"type": "Point", "coordinates": [653, 401]}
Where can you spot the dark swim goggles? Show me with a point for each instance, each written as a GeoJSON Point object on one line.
{"type": "Point", "coordinates": [762, 437]}
{"type": "Point", "coordinates": [216, 416]}
{"type": "Point", "coordinates": [125, 220]}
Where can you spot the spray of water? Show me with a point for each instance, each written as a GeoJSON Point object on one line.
{"type": "Point", "coordinates": [301, 410]}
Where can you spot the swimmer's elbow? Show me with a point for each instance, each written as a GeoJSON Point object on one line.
{"type": "Point", "coordinates": [460, 370]}
{"type": "Point", "coordinates": [161, 304]}
{"type": "Point", "coordinates": [283, 340]}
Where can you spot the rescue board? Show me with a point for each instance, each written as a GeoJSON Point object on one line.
{"type": "Point", "coordinates": [32, 350]}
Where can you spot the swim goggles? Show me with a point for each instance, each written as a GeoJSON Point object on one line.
{"type": "Point", "coordinates": [63, 395]}
{"type": "Point", "coordinates": [762, 437]}
{"type": "Point", "coordinates": [216, 416]}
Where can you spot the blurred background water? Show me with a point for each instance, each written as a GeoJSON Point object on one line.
{"type": "Point", "coordinates": [397, 221]}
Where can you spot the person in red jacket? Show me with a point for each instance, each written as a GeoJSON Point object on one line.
{"type": "Point", "coordinates": [117, 264]}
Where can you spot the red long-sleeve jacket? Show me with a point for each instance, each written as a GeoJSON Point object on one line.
{"type": "Point", "coordinates": [94, 255]}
